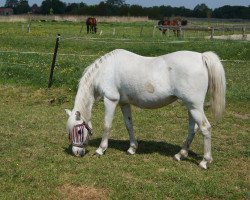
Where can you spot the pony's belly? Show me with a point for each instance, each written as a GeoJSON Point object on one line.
{"type": "Point", "coordinates": [148, 101]}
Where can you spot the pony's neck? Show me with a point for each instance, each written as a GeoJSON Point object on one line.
{"type": "Point", "coordinates": [85, 98]}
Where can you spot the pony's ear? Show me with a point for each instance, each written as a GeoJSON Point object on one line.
{"type": "Point", "coordinates": [68, 112]}
{"type": "Point", "coordinates": [78, 115]}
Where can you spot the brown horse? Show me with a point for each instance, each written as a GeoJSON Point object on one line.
{"type": "Point", "coordinates": [170, 23]}
{"type": "Point", "coordinates": [91, 25]}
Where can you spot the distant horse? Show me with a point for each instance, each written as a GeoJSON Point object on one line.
{"type": "Point", "coordinates": [175, 22]}
{"type": "Point", "coordinates": [124, 78]}
{"type": "Point", "coordinates": [91, 25]}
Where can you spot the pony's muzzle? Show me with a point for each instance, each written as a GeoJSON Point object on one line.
{"type": "Point", "coordinates": [78, 151]}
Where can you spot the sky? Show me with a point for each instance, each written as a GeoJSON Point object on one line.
{"type": "Point", "coordinates": [148, 3]}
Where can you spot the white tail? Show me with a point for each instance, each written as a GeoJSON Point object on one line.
{"type": "Point", "coordinates": [217, 83]}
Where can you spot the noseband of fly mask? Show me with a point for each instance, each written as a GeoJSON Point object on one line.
{"type": "Point", "coordinates": [76, 137]}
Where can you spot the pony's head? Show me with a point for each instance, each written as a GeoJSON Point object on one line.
{"type": "Point", "coordinates": [79, 132]}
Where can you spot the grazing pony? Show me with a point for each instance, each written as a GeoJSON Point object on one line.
{"type": "Point", "coordinates": [91, 25]}
{"type": "Point", "coordinates": [177, 22]}
{"type": "Point", "coordinates": [124, 78]}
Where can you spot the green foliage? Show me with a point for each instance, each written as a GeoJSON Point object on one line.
{"type": "Point", "coordinates": [202, 11]}
{"type": "Point", "coordinates": [11, 3]}
{"type": "Point", "coordinates": [232, 12]}
{"type": "Point", "coordinates": [53, 7]}
{"type": "Point", "coordinates": [120, 8]}
{"type": "Point", "coordinates": [115, 2]}
{"type": "Point", "coordinates": [22, 7]}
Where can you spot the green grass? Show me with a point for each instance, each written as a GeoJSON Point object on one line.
{"type": "Point", "coordinates": [35, 159]}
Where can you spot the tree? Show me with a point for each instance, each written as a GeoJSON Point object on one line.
{"type": "Point", "coordinates": [56, 6]}
{"type": "Point", "coordinates": [11, 3]}
{"type": "Point", "coordinates": [101, 9]}
{"type": "Point", "coordinates": [22, 7]}
{"type": "Point", "coordinates": [72, 8]}
{"type": "Point", "coordinates": [136, 10]}
{"type": "Point", "coordinates": [35, 9]}
{"type": "Point", "coordinates": [202, 11]}
{"type": "Point", "coordinates": [115, 2]}
{"type": "Point", "coordinates": [241, 12]}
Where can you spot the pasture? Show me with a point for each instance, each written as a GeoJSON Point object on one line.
{"type": "Point", "coordinates": [36, 162]}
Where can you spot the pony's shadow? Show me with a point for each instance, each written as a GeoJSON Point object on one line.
{"type": "Point", "coordinates": [148, 147]}
{"type": "Point", "coordinates": [145, 147]}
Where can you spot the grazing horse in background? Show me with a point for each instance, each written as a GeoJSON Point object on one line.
{"type": "Point", "coordinates": [175, 22]}
{"type": "Point", "coordinates": [91, 25]}
{"type": "Point", "coordinates": [124, 78]}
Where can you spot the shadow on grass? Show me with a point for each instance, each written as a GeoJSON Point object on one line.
{"type": "Point", "coordinates": [144, 147]}
{"type": "Point", "coordinates": [148, 147]}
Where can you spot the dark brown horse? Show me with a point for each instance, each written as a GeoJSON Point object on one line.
{"type": "Point", "coordinates": [91, 25]}
{"type": "Point", "coordinates": [172, 23]}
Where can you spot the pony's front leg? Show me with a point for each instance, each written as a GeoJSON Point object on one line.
{"type": "Point", "coordinates": [126, 111]}
{"type": "Point", "coordinates": [109, 115]}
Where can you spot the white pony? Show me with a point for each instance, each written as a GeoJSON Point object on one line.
{"type": "Point", "coordinates": [123, 78]}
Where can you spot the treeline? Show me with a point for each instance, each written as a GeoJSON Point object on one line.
{"type": "Point", "coordinates": [120, 8]}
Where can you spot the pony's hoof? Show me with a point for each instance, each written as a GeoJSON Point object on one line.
{"type": "Point", "coordinates": [203, 164]}
{"type": "Point", "coordinates": [97, 155]}
{"type": "Point", "coordinates": [131, 151]}
{"type": "Point", "coordinates": [99, 152]}
{"type": "Point", "coordinates": [177, 157]}
{"type": "Point", "coordinates": [181, 155]}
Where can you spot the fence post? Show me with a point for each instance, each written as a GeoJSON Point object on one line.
{"type": "Point", "coordinates": [154, 31]}
{"type": "Point", "coordinates": [53, 61]}
{"type": "Point", "coordinates": [141, 31]}
{"type": "Point", "coordinates": [113, 31]}
{"type": "Point", "coordinates": [180, 32]}
{"type": "Point", "coordinates": [81, 28]}
{"type": "Point", "coordinates": [29, 23]}
{"type": "Point", "coordinates": [244, 36]}
{"type": "Point", "coordinates": [29, 28]}
{"type": "Point", "coordinates": [212, 33]}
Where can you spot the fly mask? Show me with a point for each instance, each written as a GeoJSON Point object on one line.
{"type": "Point", "coordinates": [77, 136]}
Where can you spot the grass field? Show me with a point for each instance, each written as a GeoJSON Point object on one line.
{"type": "Point", "coordinates": [35, 160]}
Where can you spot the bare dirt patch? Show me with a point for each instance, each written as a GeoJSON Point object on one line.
{"type": "Point", "coordinates": [83, 192]}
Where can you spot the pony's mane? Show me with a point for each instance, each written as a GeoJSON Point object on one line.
{"type": "Point", "coordinates": [91, 70]}
{"type": "Point", "coordinates": [85, 85]}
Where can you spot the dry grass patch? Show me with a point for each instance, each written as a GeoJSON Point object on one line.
{"type": "Point", "coordinates": [83, 192]}
{"type": "Point", "coordinates": [242, 116]}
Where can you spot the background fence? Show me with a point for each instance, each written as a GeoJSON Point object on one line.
{"type": "Point", "coordinates": [71, 18]}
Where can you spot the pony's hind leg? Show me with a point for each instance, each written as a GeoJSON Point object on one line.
{"type": "Point", "coordinates": [191, 133]}
{"type": "Point", "coordinates": [205, 127]}
{"type": "Point", "coordinates": [126, 111]}
{"type": "Point", "coordinates": [206, 132]}
{"type": "Point", "coordinates": [109, 115]}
